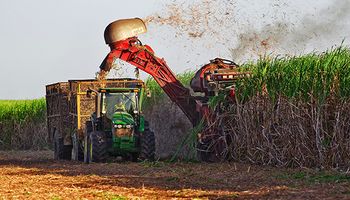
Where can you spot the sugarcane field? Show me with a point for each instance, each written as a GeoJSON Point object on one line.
{"type": "Point", "coordinates": [175, 99]}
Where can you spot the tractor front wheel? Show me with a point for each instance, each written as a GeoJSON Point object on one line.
{"type": "Point", "coordinates": [98, 146]}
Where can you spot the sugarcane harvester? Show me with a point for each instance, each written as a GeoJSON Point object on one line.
{"type": "Point", "coordinates": [217, 76]}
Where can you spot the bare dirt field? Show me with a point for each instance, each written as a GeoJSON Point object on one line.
{"type": "Point", "coordinates": [35, 175]}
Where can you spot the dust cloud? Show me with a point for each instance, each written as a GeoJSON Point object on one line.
{"type": "Point", "coordinates": [278, 29]}
{"type": "Point", "coordinates": [325, 25]}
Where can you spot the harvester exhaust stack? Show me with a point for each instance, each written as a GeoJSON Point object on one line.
{"type": "Point", "coordinates": [123, 29]}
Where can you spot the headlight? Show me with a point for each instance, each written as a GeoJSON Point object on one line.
{"type": "Point", "coordinates": [119, 126]}
{"type": "Point", "coordinates": [128, 126]}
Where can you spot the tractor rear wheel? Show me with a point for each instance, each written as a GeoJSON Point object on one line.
{"type": "Point", "coordinates": [61, 151]}
{"type": "Point", "coordinates": [148, 145]}
{"type": "Point", "coordinates": [98, 146]}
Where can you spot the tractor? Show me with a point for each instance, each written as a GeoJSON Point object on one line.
{"type": "Point", "coordinates": [92, 120]}
{"type": "Point", "coordinates": [117, 127]}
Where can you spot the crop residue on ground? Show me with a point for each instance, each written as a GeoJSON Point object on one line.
{"type": "Point", "coordinates": [34, 175]}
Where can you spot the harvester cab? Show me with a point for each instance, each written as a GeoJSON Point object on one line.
{"type": "Point", "coordinates": [117, 126]}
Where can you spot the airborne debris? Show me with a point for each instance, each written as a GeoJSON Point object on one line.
{"type": "Point", "coordinates": [195, 20]}
{"type": "Point", "coordinates": [119, 69]}
{"type": "Point", "coordinates": [222, 25]}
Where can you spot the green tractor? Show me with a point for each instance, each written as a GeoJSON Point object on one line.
{"type": "Point", "coordinates": [117, 127]}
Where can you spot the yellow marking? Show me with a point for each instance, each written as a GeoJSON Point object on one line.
{"type": "Point", "coordinates": [78, 109]}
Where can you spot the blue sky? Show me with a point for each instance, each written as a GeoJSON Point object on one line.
{"type": "Point", "coordinates": [45, 41]}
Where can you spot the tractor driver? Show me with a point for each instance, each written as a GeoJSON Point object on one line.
{"type": "Point", "coordinates": [120, 105]}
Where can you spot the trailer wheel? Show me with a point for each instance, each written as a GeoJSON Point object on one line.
{"type": "Point", "coordinates": [61, 151]}
{"type": "Point", "coordinates": [148, 145]}
{"type": "Point", "coordinates": [87, 143]}
{"type": "Point", "coordinates": [78, 149]}
{"type": "Point", "coordinates": [98, 146]}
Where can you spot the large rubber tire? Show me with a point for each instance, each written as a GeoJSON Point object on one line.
{"type": "Point", "coordinates": [134, 157]}
{"type": "Point", "coordinates": [206, 153]}
{"type": "Point", "coordinates": [61, 151]}
{"type": "Point", "coordinates": [211, 149]}
{"type": "Point", "coordinates": [148, 144]}
{"type": "Point", "coordinates": [98, 146]}
{"type": "Point", "coordinates": [87, 152]}
{"type": "Point", "coordinates": [78, 148]}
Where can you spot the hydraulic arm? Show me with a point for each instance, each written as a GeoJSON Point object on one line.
{"type": "Point", "coordinates": [219, 74]}
{"type": "Point", "coordinates": [142, 56]}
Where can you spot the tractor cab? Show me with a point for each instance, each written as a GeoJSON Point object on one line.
{"type": "Point", "coordinates": [121, 106]}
